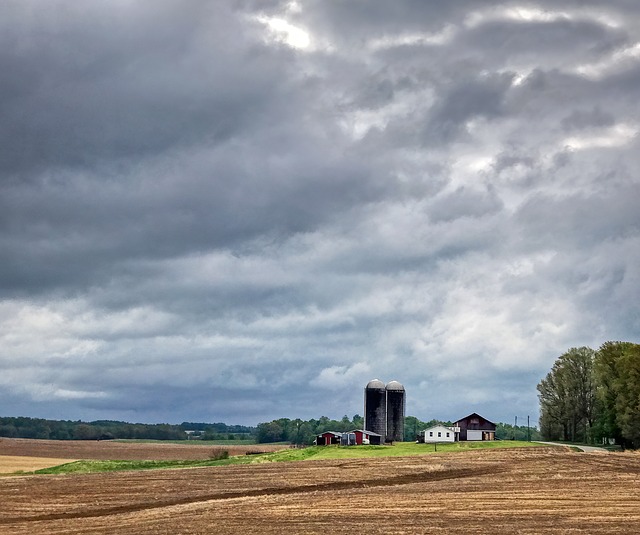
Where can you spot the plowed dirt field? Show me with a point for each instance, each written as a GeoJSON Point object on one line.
{"type": "Point", "coordinates": [10, 464]}
{"type": "Point", "coordinates": [527, 491]}
{"type": "Point", "coordinates": [105, 450]}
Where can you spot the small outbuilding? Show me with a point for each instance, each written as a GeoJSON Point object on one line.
{"type": "Point", "coordinates": [475, 427]}
{"type": "Point", "coordinates": [367, 437]}
{"type": "Point", "coordinates": [348, 439]}
{"type": "Point", "coordinates": [440, 433]}
{"type": "Point", "coordinates": [328, 438]}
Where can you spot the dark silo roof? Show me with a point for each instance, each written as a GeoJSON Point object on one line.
{"type": "Point", "coordinates": [375, 384]}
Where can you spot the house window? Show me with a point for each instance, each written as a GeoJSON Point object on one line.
{"type": "Point", "coordinates": [439, 433]}
{"type": "Point", "coordinates": [447, 435]}
{"type": "Point", "coordinates": [430, 433]}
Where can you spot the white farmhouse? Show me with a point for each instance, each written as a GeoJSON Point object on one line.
{"type": "Point", "coordinates": [439, 433]}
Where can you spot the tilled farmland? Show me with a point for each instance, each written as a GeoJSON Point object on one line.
{"type": "Point", "coordinates": [105, 450]}
{"type": "Point", "coordinates": [528, 491]}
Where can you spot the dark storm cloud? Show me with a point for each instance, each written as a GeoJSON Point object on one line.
{"type": "Point", "coordinates": [160, 125]}
{"type": "Point", "coordinates": [360, 20]}
{"type": "Point", "coordinates": [595, 117]}
{"type": "Point", "coordinates": [462, 101]}
{"type": "Point", "coordinates": [225, 211]}
{"type": "Point", "coordinates": [463, 203]}
{"type": "Point", "coordinates": [525, 41]}
{"type": "Point", "coordinates": [85, 84]}
{"type": "Point", "coordinates": [581, 220]}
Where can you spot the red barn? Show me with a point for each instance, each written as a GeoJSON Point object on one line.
{"type": "Point", "coordinates": [475, 427]}
{"type": "Point", "coordinates": [327, 438]}
{"type": "Point", "coordinates": [367, 437]}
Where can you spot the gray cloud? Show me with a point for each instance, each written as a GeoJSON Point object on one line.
{"type": "Point", "coordinates": [94, 83]}
{"type": "Point", "coordinates": [595, 117]}
{"type": "Point", "coordinates": [225, 212]}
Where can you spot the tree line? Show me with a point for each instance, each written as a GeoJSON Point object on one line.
{"type": "Point", "coordinates": [294, 431]}
{"type": "Point", "coordinates": [23, 427]}
{"type": "Point", "coordinates": [593, 396]}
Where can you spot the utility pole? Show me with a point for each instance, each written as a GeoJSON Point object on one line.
{"type": "Point", "coordinates": [528, 428]}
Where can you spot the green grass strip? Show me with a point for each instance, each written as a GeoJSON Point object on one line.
{"type": "Point", "coordinates": [236, 442]}
{"type": "Point", "coordinates": [88, 467]}
{"type": "Point", "coordinates": [399, 449]}
{"type": "Point", "coordinates": [287, 455]}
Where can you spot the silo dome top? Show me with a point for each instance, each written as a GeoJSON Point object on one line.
{"type": "Point", "coordinates": [375, 384]}
{"type": "Point", "coordinates": [395, 385]}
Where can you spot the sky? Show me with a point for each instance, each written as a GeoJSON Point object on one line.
{"type": "Point", "coordinates": [238, 211]}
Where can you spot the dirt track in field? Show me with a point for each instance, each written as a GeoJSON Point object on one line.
{"type": "Point", "coordinates": [529, 491]}
{"type": "Point", "coordinates": [105, 450]}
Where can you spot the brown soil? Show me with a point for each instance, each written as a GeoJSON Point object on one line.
{"type": "Point", "coordinates": [526, 491]}
{"type": "Point", "coordinates": [105, 450]}
{"type": "Point", "coordinates": [10, 464]}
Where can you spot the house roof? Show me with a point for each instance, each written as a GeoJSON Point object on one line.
{"type": "Point", "coordinates": [475, 414]}
{"type": "Point", "coordinates": [439, 426]}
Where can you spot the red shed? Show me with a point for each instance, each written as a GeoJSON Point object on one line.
{"type": "Point", "coordinates": [327, 438]}
{"type": "Point", "coordinates": [367, 437]}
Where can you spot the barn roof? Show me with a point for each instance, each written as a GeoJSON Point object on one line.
{"type": "Point", "coordinates": [330, 433]}
{"type": "Point", "coordinates": [365, 432]}
{"type": "Point", "coordinates": [475, 414]}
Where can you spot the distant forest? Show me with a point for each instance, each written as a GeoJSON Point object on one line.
{"type": "Point", "coordinates": [109, 429]}
{"type": "Point", "coordinates": [593, 396]}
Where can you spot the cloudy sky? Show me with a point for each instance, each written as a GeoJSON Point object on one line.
{"type": "Point", "coordinates": [245, 210]}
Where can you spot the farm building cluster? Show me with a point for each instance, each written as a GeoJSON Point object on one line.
{"type": "Point", "coordinates": [470, 428]}
{"type": "Point", "coordinates": [384, 407]}
{"type": "Point", "coordinates": [358, 437]}
{"type": "Point", "coordinates": [384, 412]}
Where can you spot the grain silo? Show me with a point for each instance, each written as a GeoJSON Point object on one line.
{"type": "Point", "coordinates": [375, 407]}
{"type": "Point", "coordinates": [395, 411]}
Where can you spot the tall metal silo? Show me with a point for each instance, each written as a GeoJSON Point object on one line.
{"type": "Point", "coordinates": [375, 407]}
{"type": "Point", "coordinates": [395, 411]}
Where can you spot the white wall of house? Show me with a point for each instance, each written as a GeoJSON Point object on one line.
{"type": "Point", "coordinates": [439, 433]}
